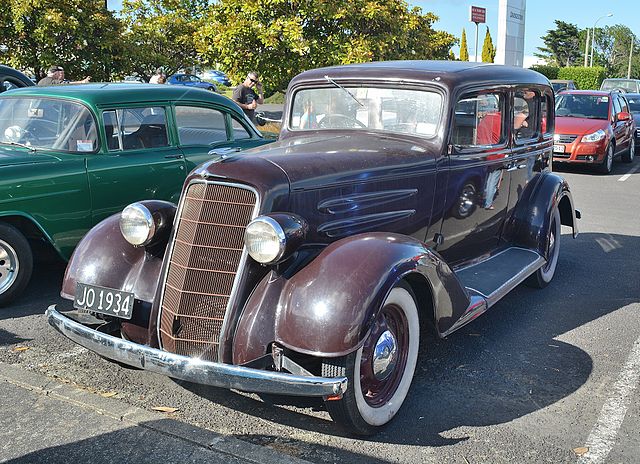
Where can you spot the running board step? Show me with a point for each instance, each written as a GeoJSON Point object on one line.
{"type": "Point", "coordinates": [496, 276]}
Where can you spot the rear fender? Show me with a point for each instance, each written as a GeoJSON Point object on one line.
{"type": "Point", "coordinates": [529, 224]}
{"type": "Point", "coordinates": [326, 309]}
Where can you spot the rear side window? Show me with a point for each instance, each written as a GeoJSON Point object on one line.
{"type": "Point", "coordinates": [239, 131]}
{"type": "Point", "coordinates": [478, 120]}
{"type": "Point", "coordinates": [200, 126]}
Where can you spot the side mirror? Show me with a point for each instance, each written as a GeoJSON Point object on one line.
{"type": "Point", "coordinates": [623, 116]}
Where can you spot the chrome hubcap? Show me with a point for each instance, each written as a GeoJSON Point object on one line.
{"type": "Point", "coordinates": [8, 266]}
{"type": "Point", "coordinates": [385, 355]}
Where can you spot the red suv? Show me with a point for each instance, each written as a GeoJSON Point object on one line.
{"type": "Point", "coordinates": [593, 127]}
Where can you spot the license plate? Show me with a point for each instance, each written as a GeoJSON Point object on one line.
{"type": "Point", "coordinates": [558, 148]}
{"type": "Point", "coordinates": [104, 300]}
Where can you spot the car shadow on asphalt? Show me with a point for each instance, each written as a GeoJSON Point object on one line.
{"type": "Point", "coordinates": [507, 364]}
{"type": "Point", "coordinates": [619, 168]}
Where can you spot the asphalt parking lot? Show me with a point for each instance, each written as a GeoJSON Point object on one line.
{"type": "Point", "coordinates": [546, 376]}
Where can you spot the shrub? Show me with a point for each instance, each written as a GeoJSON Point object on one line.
{"type": "Point", "coordinates": [551, 72]}
{"type": "Point", "coordinates": [585, 78]}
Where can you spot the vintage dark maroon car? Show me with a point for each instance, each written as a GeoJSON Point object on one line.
{"type": "Point", "coordinates": [400, 194]}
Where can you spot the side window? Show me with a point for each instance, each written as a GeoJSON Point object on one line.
{"type": "Point", "coordinates": [525, 117]}
{"type": "Point", "coordinates": [546, 119]}
{"type": "Point", "coordinates": [136, 128]}
{"type": "Point", "coordinates": [478, 120]}
{"type": "Point", "coordinates": [623, 104]}
{"type": "Point", "coordinates": [239, 131]}
{"type": "Point", "coordinates": [200, 126]}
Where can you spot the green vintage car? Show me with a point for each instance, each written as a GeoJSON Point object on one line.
{"type": "Point", "coordinates": [73, 155]}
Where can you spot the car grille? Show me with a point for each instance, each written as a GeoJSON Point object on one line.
{"type": "Point", "coordinates": [562, 138]}
{"type": "Point", "coordinates": [203, 264]}
{"type": "Point", "coordinates": [562, 155]}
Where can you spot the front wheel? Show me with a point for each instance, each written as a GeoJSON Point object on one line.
{"type": "Point", "coordinates": [542, 277]}
{"type": "Point", "coordinates": [380, 372]}
{"type": "Point", "coordinates": [16, 263]}
{"type": "Point", "coordinates": [607, 162]}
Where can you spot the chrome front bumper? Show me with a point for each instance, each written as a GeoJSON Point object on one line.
{"type": "Point", "coordinates": [193, 369]}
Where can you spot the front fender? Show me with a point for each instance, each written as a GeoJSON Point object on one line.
{"type": "Point", "coordinates": [529, 224]}
{"type": "Point", "coordinates": [103, 257]}
{"type": "Point", "coordinates": [326, 309]}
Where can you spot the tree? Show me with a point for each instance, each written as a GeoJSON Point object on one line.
{"type": "Point", "coordinates": [488, 50]}
{"type": "Point", "coordinates": [611, 50]}
{"type": "Point", "coordinates": [280, 38]}
{"type": "Point", "coordinates": [563, 45]}
{"type": "Point", "coordinates": [160, 34]}
{"type": "Point", "coordinates": [464, 50]}
{"type": "Point", "coordinates": [78, 34]}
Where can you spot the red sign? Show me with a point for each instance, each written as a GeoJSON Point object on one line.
{"type": "Point", "coordinates": [478, 15]}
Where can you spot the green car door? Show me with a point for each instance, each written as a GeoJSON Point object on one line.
{"type": "Point", "coordinates": [201, 129]}
{"type": "Point", "coordinates": [140, 160]}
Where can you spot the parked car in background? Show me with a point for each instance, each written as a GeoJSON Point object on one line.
{"type": "Point", "coordinates": [134, 79]}
{"type": "Point", "coordinates": [307, 267]}
{"type": "Point", "coordinates": [634, 106]}
{"type": "Point", "coordinates": [12, 79]}
{"type": "Point", "coordinates": [562, 84]}
{"type": "Point", "coordinates": [593, 127]}
{"type": "Point", "coordinates": [71, 156]}
{"type": "Point", "coordinates": [191, 80]}
{"type": "Point", "coordinates": [621, 85]}
{"type": "Point", "coordinates": [215, 75]}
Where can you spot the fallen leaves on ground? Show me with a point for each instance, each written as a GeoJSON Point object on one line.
{"type": "Point", "coordinates": [108, 394]}
{"type": "Point", "coordinates": [22, 348]}
{"type": "Point", "coordinates": [166, 409]}
{"type": "Point", "coordinates": [581, 451]}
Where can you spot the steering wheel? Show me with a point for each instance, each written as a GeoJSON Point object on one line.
{"type": "Point", "coordinates": [339, 121]}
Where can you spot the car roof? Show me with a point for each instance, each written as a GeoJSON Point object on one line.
{"type": "Point", "coordinates": [448, 73]}
{"type": "Point", "coordinates": [621, 79]}
{"type": "Point", "coordinates": [9, 71]}
{"type": "Point", "coordinates": [101, 94]}
{"type": "Point", "coordinates": [596, 93]}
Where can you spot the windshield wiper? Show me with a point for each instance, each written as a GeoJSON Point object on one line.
{"type": "Point", "coordinates": [340, 87]}
{"type": "Point", "coordinates": [18, 144]}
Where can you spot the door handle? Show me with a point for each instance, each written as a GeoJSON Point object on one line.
{"type": "Point", "coordinates": [174, 156]}
{"type": "Point", "coordinates": [515, 167]}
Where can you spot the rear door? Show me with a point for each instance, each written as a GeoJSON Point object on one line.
{"type": "Point", "coordinates": [201, 129]}
{"type": "Point", "coordinates": [140, 160]}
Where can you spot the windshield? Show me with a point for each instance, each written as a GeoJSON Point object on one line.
{"type": "Point", "coordinates": [583, 106]}
{"type": "Point", "coordinates": [369, 108]}
{"type": "Point", "coordinates": [626, 85]}
{"type": "Point", "coordinates": [47, 123]}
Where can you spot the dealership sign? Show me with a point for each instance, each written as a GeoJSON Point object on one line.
{"type": "Point", "coordinates": [477, 15]}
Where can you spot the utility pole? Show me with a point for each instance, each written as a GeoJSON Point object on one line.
{"type": "Point", "coordinates": [633, 39]}
{"type": "Point", "coordinates": [586, 49]}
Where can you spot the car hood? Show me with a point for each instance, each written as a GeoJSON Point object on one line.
{"type": "Point", "coordinates": [11, 156]}
{"type": "Point", "coordinates": [579, 126]}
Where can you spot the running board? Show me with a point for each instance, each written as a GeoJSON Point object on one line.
{"type": "Point", "coordinates": [496, 276]}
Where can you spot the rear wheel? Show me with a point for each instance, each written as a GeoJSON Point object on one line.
{"type": "Point", "coordinates": [16, 263]}
{"type": "Point", "coordinates": [607, 162]}
{"type": "Point", "coordinates": [380, 372]}
{"type": "Point", "coordinates": [543, 276]}
{"type": "Point", "coordinates": [631, 153]}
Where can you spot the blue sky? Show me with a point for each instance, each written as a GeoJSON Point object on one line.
{"type": "Point", "coordinates": [454, 15]}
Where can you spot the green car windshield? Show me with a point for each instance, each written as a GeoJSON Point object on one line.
{"type": "Point", "coordinates": [367, 108]}
{"type": "Point", "coordinates": [47, 123]}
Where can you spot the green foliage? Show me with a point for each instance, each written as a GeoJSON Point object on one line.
{"type": "Point", "coordinates": [160, 34]}
{"type": "Point", "coordinates": [551, 72]}
{"type": "Point", "coordinates": [488, 50]}
{"type": "Point", "coordinates": [612, 47]}
{"type": "Point", "coordinates": [77, 34]}
{"type": "Point", "coordinates": [280, 38]}
{"type": "Point", "coordinates": [585, 78]}
{"type": "Point", "coordinates": [464, 48]}
{"type": "Point", "coordinates": [562, 45]}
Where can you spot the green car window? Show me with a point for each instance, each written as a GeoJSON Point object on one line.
{"type": "Point", "coordinates": [200, 126]}
{"type": "Point", "coordinates": [135, 128]}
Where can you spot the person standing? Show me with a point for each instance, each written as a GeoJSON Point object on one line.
{"type": "Point", "coordinates": [157, 76]}
{"type": "Point", "coordinates": [249, 95]}
{"type": "Point", "coordinates": [55, 76]}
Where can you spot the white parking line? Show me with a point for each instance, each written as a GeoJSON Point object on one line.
{"type": "Point", "coordinates": [627, 175]}
{"type": "Point", "coordinates": [603, 434]}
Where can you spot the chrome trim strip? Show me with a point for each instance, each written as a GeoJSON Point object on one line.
{"type": "Point", "coordinates": [241, 265]}
{"type": "Point", "coordinates": [194, 369]}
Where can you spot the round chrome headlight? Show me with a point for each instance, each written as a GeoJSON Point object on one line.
{"type": "Point", "coordinates": [137, 224]}
{"type": "Point", "coordinates": [265, 240]}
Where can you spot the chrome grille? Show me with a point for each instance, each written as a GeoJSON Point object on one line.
{"type": "Point", "coordinates": [562, 138]}
{"type": "Point", "coordinates": [203, 265]}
